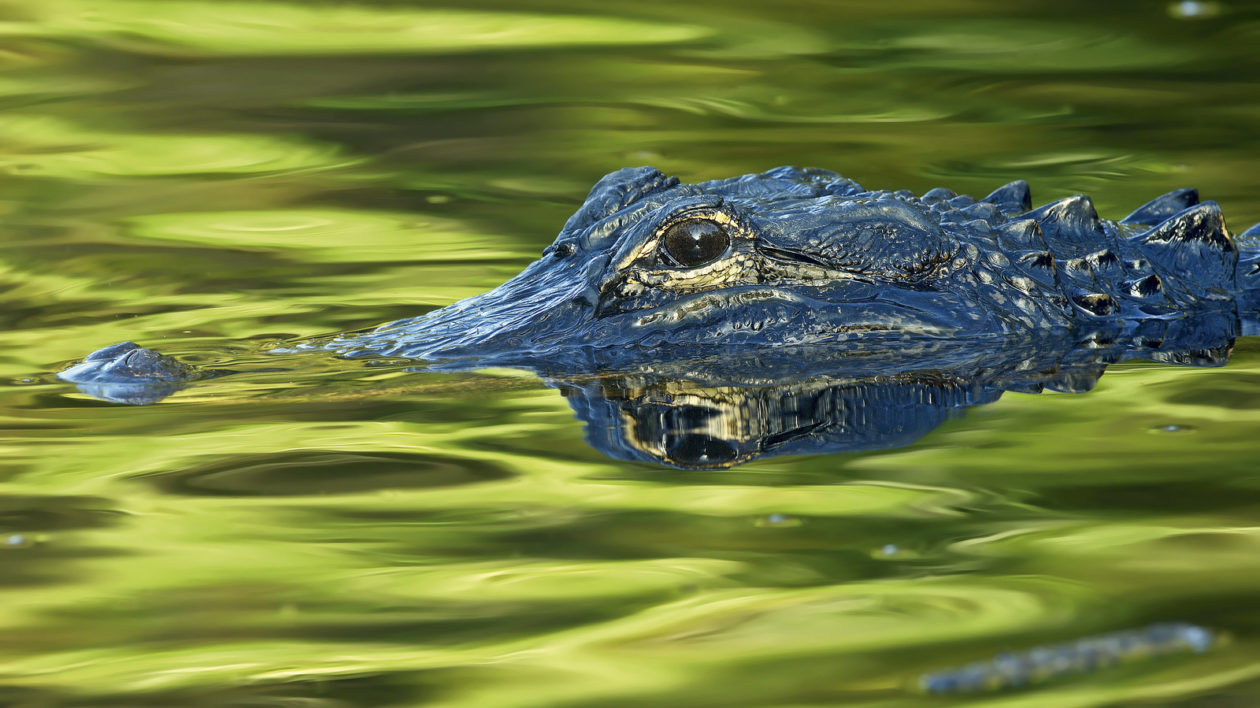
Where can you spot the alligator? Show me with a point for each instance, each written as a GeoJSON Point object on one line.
{"type": "Point", "coordinates": [803, 265]}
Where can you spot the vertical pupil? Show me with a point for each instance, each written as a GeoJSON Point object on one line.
{"type": "Point", "coordinates": [693, 243]}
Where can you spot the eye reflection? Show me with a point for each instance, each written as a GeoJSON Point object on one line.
{"type": "Point", "coordinates": [696, 450]}
{"type": "Point", "coordinates": [694, 242]}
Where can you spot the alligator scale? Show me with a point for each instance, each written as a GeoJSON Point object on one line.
{"type": "Point", "coordinates": [800, 278]}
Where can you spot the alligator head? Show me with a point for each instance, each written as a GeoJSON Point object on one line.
{"type": "Point", "coordinates": [790, 256]}
{"type": "Point", "coordinates": [804, 256]}
{"type": "Point", "coordinates": [650, 270]}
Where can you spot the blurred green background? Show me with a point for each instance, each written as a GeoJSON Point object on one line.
{"type": "Point", "coordinates": [205, 177]}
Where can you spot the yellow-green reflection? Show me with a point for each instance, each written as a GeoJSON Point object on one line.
{"type": "Point", "coordinates": [43, 146]}
{"type": "Point", "coordinates": [1032, 47]}
{"type": "Point", "coordinates": [322, 235]}
{"type": "Point", "coordinates": [293, 28]}
{"type": "Point", "coordinates": [211, 178]}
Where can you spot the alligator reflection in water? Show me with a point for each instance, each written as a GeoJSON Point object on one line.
{"type": "Point", "coordinates": [793, 311]}
{"type": "Point", "coordinates": [721, 411]}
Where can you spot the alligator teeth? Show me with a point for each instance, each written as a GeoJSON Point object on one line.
{"type": "Point", "coordinates": [1016, 194]}
{"type": "Point", "coordinates": [1194, 244]}
{"type": "Point", "coordinates": [1163, 207]}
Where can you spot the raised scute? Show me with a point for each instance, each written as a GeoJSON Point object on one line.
{"type": "Point", "coordinates": [1163, 207]}
{"type": "Point", "coordinates": [1013, 197]}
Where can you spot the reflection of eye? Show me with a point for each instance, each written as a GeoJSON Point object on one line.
{"type": "Point", "coordinates": [693, 449]}
{"type": "Point", "coordinates": [694, 242]}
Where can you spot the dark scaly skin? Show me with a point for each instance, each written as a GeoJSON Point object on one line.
{"type": "Point", "coordinates": [845, 319]}
{"type": "Point", "coordinates": [814, 258]}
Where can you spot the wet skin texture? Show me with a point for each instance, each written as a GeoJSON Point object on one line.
{"type": "Point", "coordinates": [650, 270]}
{"type": "Point", "coordinates": [804, 256]}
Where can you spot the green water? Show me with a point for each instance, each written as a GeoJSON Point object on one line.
{"type": "Point", "coordinates": [208, 177]}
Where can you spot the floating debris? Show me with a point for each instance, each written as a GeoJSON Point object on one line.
{"type": "Point", "coordinates": [1025, 668]}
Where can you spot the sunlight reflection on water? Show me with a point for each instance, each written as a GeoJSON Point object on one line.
{"type": "Point", "coordinates": [210, 179]}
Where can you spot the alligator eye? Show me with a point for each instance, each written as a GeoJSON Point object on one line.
{"type": "Point", "coordinates": [694, 242]}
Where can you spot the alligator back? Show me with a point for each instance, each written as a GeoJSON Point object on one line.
{"type": "Point", "coordinates": [1158, 261]}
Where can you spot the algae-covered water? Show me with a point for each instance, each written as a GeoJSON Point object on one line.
{"type": "Point", "coordinates": [211, 178]}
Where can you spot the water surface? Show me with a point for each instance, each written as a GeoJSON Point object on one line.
{"type": "Point", "coordinates": [209, 178]}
